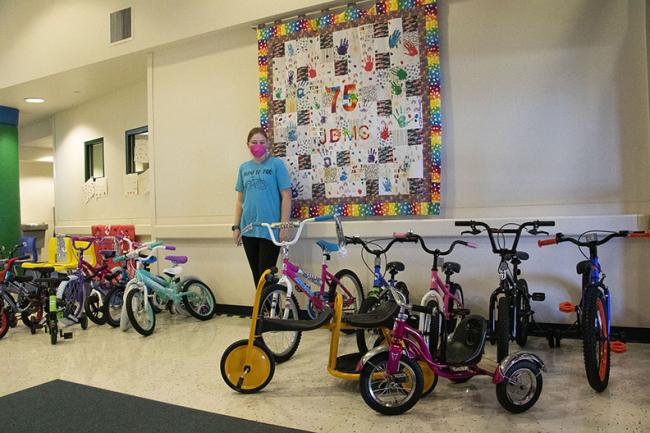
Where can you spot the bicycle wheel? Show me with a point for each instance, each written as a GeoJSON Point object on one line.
{"type": "Point", "coordinates": [503, 328]}
{"type": "Point", "coordinates": [391, 394]}
{"type": "Point", "coordinates": [260, 370]}
{"type": "Point", "coordinates": [282, 344]}
{"type": "Point", "coordinates": [113, 306]}
{"type": "Point", "coordinates": [140, 313]}
{"type": "Point", "coordinates": [200, 301]}
{"type": "Point", "coordinates": [349, 280]}
{"type": "Point", "coordinates": [595, 339]}
{"type": "Point", "coordinates": [523, 313]}
{"type": "Point", "coordinates": [95, 308]}
{"type": "Point", "coordinates": [367, 338]}
{"type": "Point", "coordinates": [521, 387]}
{"type": "Point", "coordinates": [54, 331]}
{"type": "Point", "coordinates": [4, 320]}
{"type": "Point", "coordinates": [452, 305]}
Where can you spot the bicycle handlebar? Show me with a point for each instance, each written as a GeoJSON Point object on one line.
{"type": "Point", "coordinates": [356, 240]}
{"type": "Point", "coordinates": [413, 237]}
{"type": "Point", "coordinates": [491, 231]}
{"type": "Point", "coordinates": [292, 224]}
{"type": "Point", "coordinates": [594, 243]}
{"type": "Point", "coordinates": [135, 254]}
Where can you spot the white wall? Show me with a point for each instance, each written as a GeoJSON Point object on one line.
{"type": "Point", "coordinates": [67, 34]}
{"type": "Point", "coordinates": [37, 194]}
{"type": "Point", "coordinates": [545, 114]}
{"type": "Point", "coordinates": [109, 117]}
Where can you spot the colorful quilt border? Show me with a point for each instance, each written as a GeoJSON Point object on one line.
{"type": "Point", "coordinates": [432, 44]}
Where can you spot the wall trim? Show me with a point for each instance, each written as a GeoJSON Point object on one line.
{"type": "Point", "coordinates": [430, 227]}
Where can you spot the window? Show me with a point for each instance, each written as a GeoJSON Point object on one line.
{"type": "Point", "coordinates": [94, 158]}
{"type": "Point", "coordinates": [137, 150]}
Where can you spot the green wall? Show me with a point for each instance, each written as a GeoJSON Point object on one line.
{"type": "Point", "coordinates": [9, 186]}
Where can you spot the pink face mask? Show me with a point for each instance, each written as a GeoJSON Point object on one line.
{"type": "Point", "coordinates": [258, 150]}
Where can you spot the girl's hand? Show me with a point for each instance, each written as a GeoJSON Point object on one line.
{"type": "Point", "coordinates": [284, 235]}
{"type": "Point", "coordinates": [236, 237]}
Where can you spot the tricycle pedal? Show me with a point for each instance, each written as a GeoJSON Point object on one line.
{"type": "Point", "coordinates": [66, 335]}
{"type": "Point", "coordinates": [539, 296]}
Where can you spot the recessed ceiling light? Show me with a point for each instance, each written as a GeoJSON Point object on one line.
{"type": "Point", "coordinates": [35, 100]}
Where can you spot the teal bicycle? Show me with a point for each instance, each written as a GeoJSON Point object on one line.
{"type": "Point", "coordinates": [148, 294]}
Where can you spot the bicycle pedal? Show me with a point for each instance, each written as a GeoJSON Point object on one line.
{"type": "Point", "coordinates": [67, 335]}
{"type": "Point", "coordinates": [618, 347]}
{"type": "Point", "coordinates": [539, 296]}
{"type": "Point", "coordinates": [567, 307]}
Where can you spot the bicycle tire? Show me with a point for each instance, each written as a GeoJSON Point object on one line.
{"type": "Point", "coordinates": [4, 320]}
{"type": "Point", "coordinates": [149, 311]}
{"type": "Point", "coordinates": [234, 359]}
{"type": "Point", "coordinates": [372, 370]}
{"type": "Point", "coordinates": [283, 351]}
{"type": "Point", "coordinates": [595, 340]}
{"type": "Point", "coordinates": [522, 377]}
{"type": "Point", "coordinates": [356, 291]}
{"type": "Point", "coordinates": [453, 322]}
{"type": "Point", "coordinates": [113, 306]}
{"type": "Point", "coordinates": [201, 312]}
{"type": "Point", "coordinates": [94, 308]}
{"type": "Point", "coordinates": [503, 327]}
{"type": "Point", "coordinates": [523, 313]}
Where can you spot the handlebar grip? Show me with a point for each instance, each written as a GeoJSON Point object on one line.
{"type": "Point", "coordinates": [400, 235]}
{"type": "Point", "coordinates": [170, 247]}
{"type": "Point", "coordinates": [422, 309]}
{"type": "Point", "coordinates": [324, 218]}
{"type": "Point", "coordinates": [471, 244]}
{"type": "Point", "coordinates": [645, 234]}
{"type": "Point", "coordinates": [546, 223]}
{"type": "Point", "coordinates": [156, 244]}
{"type": "Point", "coordinates": [462, 223]}
{"type": "Point", "coordinates": [544, 242]}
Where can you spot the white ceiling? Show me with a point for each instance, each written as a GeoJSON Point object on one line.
{"type": "Point", "coordinates": [68, 89]}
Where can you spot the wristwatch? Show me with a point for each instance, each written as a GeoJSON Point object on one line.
{"type": "Point", "coordinates": [235, 227]}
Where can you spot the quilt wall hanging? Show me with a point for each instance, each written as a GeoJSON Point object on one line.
{"type": "Point", "coordinates": [351, 102]}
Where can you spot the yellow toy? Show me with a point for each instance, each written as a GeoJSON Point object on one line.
{"type": "Point", "coordinates": [60, 247]}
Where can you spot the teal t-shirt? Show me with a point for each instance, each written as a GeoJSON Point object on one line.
{"type": "Point", "coordinates": [260, 185]}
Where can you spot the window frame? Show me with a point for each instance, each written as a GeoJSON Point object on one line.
{"type": "Point", "coordinates": [88, 158]}
{"type": "Point", "coordinates": [130, 150]}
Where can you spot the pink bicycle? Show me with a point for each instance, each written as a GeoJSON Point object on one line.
{"type": "Point", "coordinates": [392, 380]}
{"type": "Point", "coordinates": [278, 301]}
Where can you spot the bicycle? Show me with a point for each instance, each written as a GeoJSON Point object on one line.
{"type": "Point", "coordinates": [147, 291]}
{"type": "Point", "coordinates": [593, 312]}
{"type": "Point", "coordinates": [28, 297]}
{"type": "Point", "coordinates": [510, 313]}
{"type": "Point", "coordinates": [114, 300]}
{"type": "Point", "coordinates": [279, 301]}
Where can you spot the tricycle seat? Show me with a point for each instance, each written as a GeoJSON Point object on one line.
{"type": "Point", "coordinates": [266, 325]}
{"type": "Point", "coordinates": [382, 316]}
{"type": "Point", "coordinates": [468, 341]}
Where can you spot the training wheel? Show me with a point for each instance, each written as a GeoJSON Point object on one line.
{"type": "Point", "coordinates": [244, 377]}
{"type": "Point", "coordinates": [618, 347]}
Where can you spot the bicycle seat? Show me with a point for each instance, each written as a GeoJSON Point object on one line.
{"type": "Point", "coordinates": [266, 325]}
{"type": "Point", "coordinates": [107, 254]}
{"type": "Point", "coordinates": [451, 268]}
{"type": "Point", "coordinates": [395, 267]}
{"type": "Point", "coordinates": [584, 267]}
{"type": "Point", "coordinates": [327, 247]}
{"type": "Point", "coordinates": [521, 255]}
{"type": "Point", "coordinates": [466, 346]}
{"type": "Point", "coordinates": [177, 260]}
{"type": "Point", "coordinates": [22, 278]}
{"type": "Point", "coordinates": [382, 316]}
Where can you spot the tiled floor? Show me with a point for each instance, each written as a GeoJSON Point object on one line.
{"type": "Point", "coordinates": [179, 364]}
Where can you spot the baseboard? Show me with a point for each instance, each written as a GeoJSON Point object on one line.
{"type": "Point", "coordinates": [540, 329]}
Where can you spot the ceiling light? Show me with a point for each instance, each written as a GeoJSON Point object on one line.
{"type": "Point", "coordinates": [35, 100]}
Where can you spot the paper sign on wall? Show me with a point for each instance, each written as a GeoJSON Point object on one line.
{"type": "Point", "coordinates": [101, 188]}
{"type": "Point", "coordinates": [89, 189]}
{"type": "Point", "coordinates": [143, 182]}
{"type": "Point", "coordinates": [131, 185]}
{"type": "Point", "coordinates": [141, 152]}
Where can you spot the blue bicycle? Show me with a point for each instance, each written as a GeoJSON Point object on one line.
{"type": "Point", "coordinates": [594, 310]}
